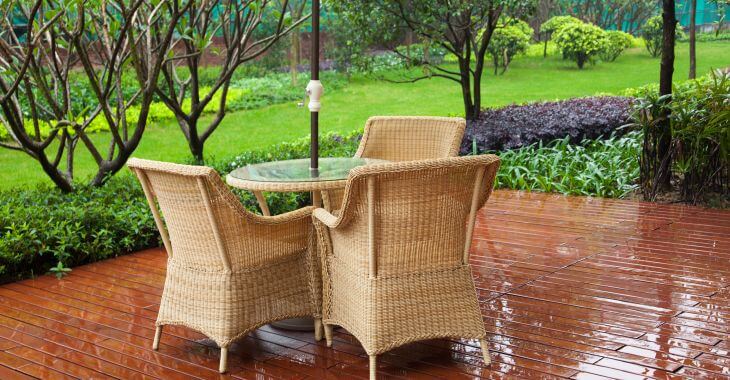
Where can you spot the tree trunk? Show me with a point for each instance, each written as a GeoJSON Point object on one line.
{"type": "Point", "coordinates": [466, 90]}
{"type": "Point", "coordinates": [195, 143]}
{"type": "Point", "coordinates": [61, 181]}
{"type": "Point", "coordinates": [426, 51]}
{"type": "Point", "coordinates": [409, 42]}
{"type": "Point", "coordinates": [294, 56]}
{"type": "Point", "coordinates": [477, 85]}
{"type": "Point", "coordinates": [544, 49]}
{"type": "Point", "coordinates": [692, 40]}
{"type": "Point", "coordinates": [196, 149]}
{"type": "Point", "coordinates": [663, 176]}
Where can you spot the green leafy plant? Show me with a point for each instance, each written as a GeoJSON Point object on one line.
{"type": "Point", "coordinates": [580, 42]}
{"type": "Point", "coordinates": [605, 168]}
{"type": "Point", "coordinates": [700, 122]}
{"type": "Point", "coordinates": [616, 43]}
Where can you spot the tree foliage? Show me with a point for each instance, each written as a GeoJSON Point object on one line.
{"type": "Point", "coordinates": [464, 28]}
{"type": "Point", "coordinates": [244, 37]}
{"type": "Point", "coordinates": [580, 42]}
{"type": "Point", "coordinates": [358, 27]}
{"type": "Point", "coordinates": [98, 41]}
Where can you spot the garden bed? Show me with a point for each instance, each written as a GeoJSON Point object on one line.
{"type": "Point", "coordinates": [519, 126]}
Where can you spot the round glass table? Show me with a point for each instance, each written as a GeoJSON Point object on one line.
{"type": "Point", "coordinates": [295, 176]}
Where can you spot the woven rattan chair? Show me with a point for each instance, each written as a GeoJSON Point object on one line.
{"type": "Point", "coordinates": [405, 138]}
{"type": "Point", "coordinates": [229, 271]}
{"type": "Point", "coordinates": [395, 258]}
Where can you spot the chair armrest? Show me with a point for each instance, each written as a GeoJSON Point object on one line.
{"type": "Point", "coordinates": [326, 218]}
{"type": "Point", "coordinates": [291, 216]}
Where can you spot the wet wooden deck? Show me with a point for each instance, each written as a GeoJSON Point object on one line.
{"type": "Point", "coordinates": [570, 288]}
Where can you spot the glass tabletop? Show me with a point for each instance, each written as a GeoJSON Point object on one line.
{"type": "Point", "coordinates": [330, 169]}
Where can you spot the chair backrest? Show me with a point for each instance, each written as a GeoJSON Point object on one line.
{"type": "Point", "coordinates": [414, 216]}
{"type": "Point", "coordinates": [410, 138]}
{"type": "Point", "coordinates": [205, 226]}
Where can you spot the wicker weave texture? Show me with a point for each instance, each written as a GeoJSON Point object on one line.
{"type": "Point", "coordinates": [395, 259]}
{"type": "Point", "coordinates": [405, 138]}
{"type": "Point", "coordinates": [229, 271]}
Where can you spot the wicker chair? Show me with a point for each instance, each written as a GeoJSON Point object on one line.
{"type": "Point", "coordinates": [395, 259]}
{"type": "Point", "coordinates": [405, 138]}
{"type": "Point", "coordinates": [229, 271]}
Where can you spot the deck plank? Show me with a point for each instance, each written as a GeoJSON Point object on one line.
{"type": "Point", "coordinates": [569, 288]}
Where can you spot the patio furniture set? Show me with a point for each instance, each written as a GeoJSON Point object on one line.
{"type": "Point", "coordinates": [386, 257]}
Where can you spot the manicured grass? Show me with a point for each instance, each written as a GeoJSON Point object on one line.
{"type": "Point", "coordinates": [528, 79]}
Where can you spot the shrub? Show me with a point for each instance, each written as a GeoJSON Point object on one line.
{"type": "Point", "coordinates": [580, 42]}
{"type": "Point", "coordinates": [700, 123]}
{"type": "Point", "coordinates": [652, 33]}
{"type": "Point", "coordinates": [506, 43]}
{"type": "Point", "coordinates": [518, 126]}
{"type": "Point", "coordinates": [616, 43]}
{"type": "Point", "coordinates": [41, 227]}
{"type": "Point", "coordinates": [523, 26]}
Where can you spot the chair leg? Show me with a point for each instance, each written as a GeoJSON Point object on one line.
{"type": "Point", "coordinates": [485, 351]}
{"type": "Point", "coordinates": [373, 366]}
{"type": "Point", "coordinates": [224, 360]}
{"type": "Point", "coordinates": [318, 329]}
{"type": "Point", "coordinates": [156, 341]}
{"type": "Point", "coordinates": [328, 334]}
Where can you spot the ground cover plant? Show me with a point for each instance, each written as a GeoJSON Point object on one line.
{"type": "Point", "coordinates": [518, 126]}
{"type": "Point", "coordinates": [605, 168]}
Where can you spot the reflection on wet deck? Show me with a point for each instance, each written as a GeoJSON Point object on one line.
{"type": "Point", "coordinates": [570, 288]}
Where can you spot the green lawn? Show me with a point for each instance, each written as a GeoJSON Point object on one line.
{"type": "Point", "coordinates": [528, 79]}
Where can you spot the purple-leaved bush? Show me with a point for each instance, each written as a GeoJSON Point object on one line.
{"type": "Point", "coordinates": [517, 126]}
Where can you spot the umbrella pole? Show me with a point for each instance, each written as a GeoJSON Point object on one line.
{"type": "Point", "coordinates": [314, 90]}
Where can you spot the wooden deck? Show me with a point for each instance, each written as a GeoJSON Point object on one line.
{"type": "Point", "coordinates": [570, 288]}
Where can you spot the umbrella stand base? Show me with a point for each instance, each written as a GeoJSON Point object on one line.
{"type": "Point", "coordinates": [295, 324]}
